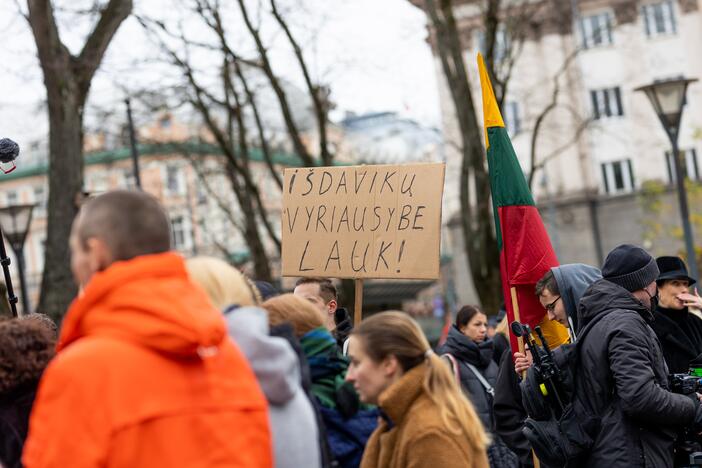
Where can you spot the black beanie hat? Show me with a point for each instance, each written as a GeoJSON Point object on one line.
{"type": "Point", "coordinates": [630, 267]}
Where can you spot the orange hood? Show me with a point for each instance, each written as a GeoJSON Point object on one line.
{"type": "Point", "coordinates": [149, 300]}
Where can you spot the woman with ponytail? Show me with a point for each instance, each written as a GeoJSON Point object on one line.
{"type": "Point", "coordinates": [426, 420]}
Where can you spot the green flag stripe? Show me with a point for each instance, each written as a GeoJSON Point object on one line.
{"type": "Point", "coordinates": [507, 182]}
{"type": "Point", "coordinates": [509, 186]}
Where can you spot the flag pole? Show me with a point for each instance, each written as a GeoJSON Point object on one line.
{"type": "Point", "coordinates": [358, 302]}
{"type": "Point", "coordinates": [515, 309]}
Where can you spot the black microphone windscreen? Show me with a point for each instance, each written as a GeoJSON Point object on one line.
{"type": "Point", "coordinates": [9, 150]}
{"type": "Point", "coordinates": [517, 328]}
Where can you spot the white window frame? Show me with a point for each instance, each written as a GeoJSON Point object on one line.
{"type": "Point", "coordinates": [588, 31]}
{"type": "Point", "coordinates": [512, 117]}
{"type": "Point", "coordinates": [11, 197]}
{"type": "Point", "coordinates": [609, 182]}
{"type": "Point", "coordinates": [691, 168]}
{"type": "Point", "coordinates": [666, 8]}
{"type": "Point", "coordinates": [179, 179]}
{"type": "Point", "coordinates": [40, 200]}
{"type": "Point", "coordinates": [128, 178]}
{"type": "Point", "coordinates": [502, 43]}
{"type": "Point", "coordinates": [181, 243]}
{"type": "Point", "coordinates": [604, 99]}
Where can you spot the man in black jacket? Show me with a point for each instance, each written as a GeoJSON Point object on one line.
{"type": "Point", "coordinates": [621, 380]}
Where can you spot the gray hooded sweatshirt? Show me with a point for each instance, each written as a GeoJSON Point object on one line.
{"type": "Point", "coordinates": [573, 280]}
{"type": "Point", "coordinates": [293, 424]}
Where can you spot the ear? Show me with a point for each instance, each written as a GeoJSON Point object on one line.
{"type": "Point", "coordinates": [390, 366]}
{"type": "Point", "coordinates": [99, 255]}
{"type": "Point", "coordinates": [331, 306]}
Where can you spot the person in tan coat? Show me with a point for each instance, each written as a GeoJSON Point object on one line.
{"type": "Point", "coordinates": [426, 419]}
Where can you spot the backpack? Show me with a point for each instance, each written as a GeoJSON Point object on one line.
{"type": "Point", "coordinates": [347, 436]}
{"type": "Point", "coordinates": [558, 439]}
{"type": "Point", "coordinates": [499, 455]}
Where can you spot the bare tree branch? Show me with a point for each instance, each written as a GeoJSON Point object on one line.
{"type": "Point", "coordinates": [290, 124]}
{"type": "Point", "coordinates": [317, 93]}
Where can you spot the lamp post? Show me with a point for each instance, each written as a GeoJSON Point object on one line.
{"type": "Point", "coordinates": [14, 222]}
{"type": "Point", "coordinates": [668, 100]}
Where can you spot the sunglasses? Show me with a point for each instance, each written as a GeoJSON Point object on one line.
{"type": "Point", "coordinates": [550, 307]}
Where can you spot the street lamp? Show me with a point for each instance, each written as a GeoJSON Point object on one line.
{"type": "Point", "coordinates": [668, 100]}
{"type": "Point", "coordinates": [14, 222]}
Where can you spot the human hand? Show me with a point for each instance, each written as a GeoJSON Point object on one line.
{"type": "Point", "coordinates": [522, 362]}
{"type": "Point", "coordinates": [691, 300]}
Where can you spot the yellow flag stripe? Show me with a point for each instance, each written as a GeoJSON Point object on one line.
{"type": "Point", "coordinates": [491, 113]}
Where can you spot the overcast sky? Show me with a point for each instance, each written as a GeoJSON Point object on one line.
{"type": "Point", "coordinates": [373, 53]}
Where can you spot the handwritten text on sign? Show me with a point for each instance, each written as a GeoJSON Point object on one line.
{"type": "Point", "coordinates": [363, 221]}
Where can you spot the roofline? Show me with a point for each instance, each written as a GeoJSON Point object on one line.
{"type": "Point", "coordinates": [156, 149]}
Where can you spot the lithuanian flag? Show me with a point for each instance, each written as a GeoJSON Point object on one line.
{"type": "Point", "coordinates": [526, 253]}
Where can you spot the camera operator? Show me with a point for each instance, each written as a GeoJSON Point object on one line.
{"type": "Point", "coordinates": [622, 377]}
{"type": "Point", "coordinates": [559, 291]}
{"type": "Point", "coordinates": [678, 330]}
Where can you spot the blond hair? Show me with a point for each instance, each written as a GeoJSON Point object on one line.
{"type": "Point", "coordinates": [396, 334]}
{"type": "Point", "coordinates": [502, 327]}
{"type": "Point", "coordinates": [223, 283]}
{"type": "Point", "coordinates": [303, 316]}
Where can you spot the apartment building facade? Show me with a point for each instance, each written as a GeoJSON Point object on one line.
{"type": "Point", "coordinates": [602, 144]}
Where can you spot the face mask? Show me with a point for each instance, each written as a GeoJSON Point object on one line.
{"type": "Point", "coordinates": [653, 299]}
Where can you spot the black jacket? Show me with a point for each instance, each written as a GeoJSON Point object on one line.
{"type": "Point", "coordinates": [680, 334]}
{"type": "Point", "coordinates": [621, 380]}
{"type": "Point", "coordinates": [509, 412]}
{"type": "Point", "coordinates": [14, 422]}
{"type": "Point", "coordinates": [501, 344]}
{"type": "Point", "coordinates": [344, 327]}
{"type": "Point", "coordinates": [479, 355]}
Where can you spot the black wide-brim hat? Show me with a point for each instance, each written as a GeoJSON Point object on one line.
{"type": "Point", "coordinates": [673, 268]}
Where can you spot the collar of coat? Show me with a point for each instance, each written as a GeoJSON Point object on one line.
{"type": "Point", "coordinates": [397, 399]}
{"type": "Point", "coordinates": [666, 328]}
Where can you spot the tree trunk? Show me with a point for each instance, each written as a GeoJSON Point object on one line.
{"type": "Point", "coordinates": [262, 268]}
{"type": "Point", "coordinates": [479, 238]}
{"type": "Point", "coordinates": [65, 186]}
{"type": "Point", "coordinates": [67, 79]}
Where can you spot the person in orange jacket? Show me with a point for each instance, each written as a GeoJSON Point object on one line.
{"type": "Point", "coordinates": [145, 374]}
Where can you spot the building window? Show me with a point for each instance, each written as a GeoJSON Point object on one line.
{"type": "Point", "coordinates": [690, 169]}
{"type": "Point", "coordinates": [596, 30]}
{"type": "Point", "coordinates": [201, 195]}
{"type": "Point", "coordinates": [512, 120]}
{"type": "Point", "coordinates": [39, 200]}
{"type": "Point", "coordinates": [618, 177]}
{"type": "Point", "coordinates": [165, 122]}
{"type": "Point", "coordinates": [659, 18]}
{"type": "Point", "coordinates": [11, 198]}
{"type": "Point", "coordinates": [174, 182]}
{"type": "Point", "coordinates": [128, 179]}
{"type": "Point", "coordinates": [606, 103]}
{"type": "Point", "coordinates": [502, 43]}
{"type": "Point", "coordinates": [179, 233]}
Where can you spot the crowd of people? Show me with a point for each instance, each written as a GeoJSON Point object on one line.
{"type": "Point", "coordinates": [162, 361]}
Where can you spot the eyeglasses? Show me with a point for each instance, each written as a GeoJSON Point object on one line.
{"type": "Point", "coordinates": [550, 307]}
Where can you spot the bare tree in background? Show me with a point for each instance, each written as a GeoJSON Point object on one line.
{"type": "Point", "coordinates": [67, 79]}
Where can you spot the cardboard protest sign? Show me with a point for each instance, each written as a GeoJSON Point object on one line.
{"type": "Point", "coordinates": [363, 221]}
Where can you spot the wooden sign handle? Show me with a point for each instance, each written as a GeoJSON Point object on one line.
{"type": "Point", "coordinates": [358, 302]}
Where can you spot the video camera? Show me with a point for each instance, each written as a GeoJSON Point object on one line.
{"type": "Point", "coordinates": [688, 448]}
{"type": "Point", "coordinates": [547, 372]}
{"type": "Point", "coordinates": [685, 384]}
